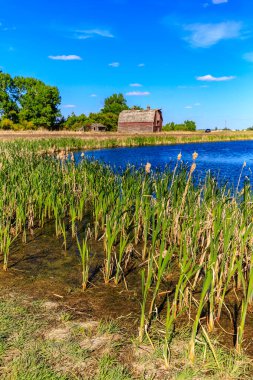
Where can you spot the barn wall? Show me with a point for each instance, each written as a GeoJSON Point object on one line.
{"type": "Point", "coordinates": [135, 127]}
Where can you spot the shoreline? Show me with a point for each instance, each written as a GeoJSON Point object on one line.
{"type": "Point", "coordinates": [87, 140]}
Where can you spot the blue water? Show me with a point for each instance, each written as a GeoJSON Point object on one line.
{"type": "Point", "coordinates": [223, 159]}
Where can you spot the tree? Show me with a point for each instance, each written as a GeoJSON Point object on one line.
{"type": "Point", "coordinates": [188, 125]}
{"type": "Point", "coordinates": [8, 98]}
{"type": "Point", "coordinates": [108, 119]}
{"type": "Point", "coordinates": [38, 102]}
{"type": "Point", "coordinates": [75, 122]}
{"type": "Point", "coordinates": [115, 104]}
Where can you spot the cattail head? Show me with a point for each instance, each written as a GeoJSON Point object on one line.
{"type": "Point", "coordinates": [194, 155]}
{"type": "Point", "coordinates": [244, 164]}
{"type": "Point", "coordinates": [82, 154]}
{"type": "Point", "coordinates": [147, 167]}
{"type": "Point", "coordinates": [179, 156]}
{"type": "Point", "coordinates": [72, 157]}
{"type": "Point", "coordinates": [193, 167]}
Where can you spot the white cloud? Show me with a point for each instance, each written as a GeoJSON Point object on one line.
{"type": "Point", "coordinates": [219, 1]}
{"type": "Point", "coordinates": [93, 95]}
{"type": "Point", "coordinates": [69, 106]}
{"type": "Point", "coordinates": [211, 78]}
{"type": "Point", "coordinates": [196, 104]}
{"type": "Point", "coordinates": [141, 65]}
{"type": "Point", "coordinates": [188, 107]}
{"type": "Point", "coordinates": [135, 85]}
{"type": "Point", "coordinates": [114, 64]}
{"type": "Point", "coordinates": [88, 33]}
{"type": "Point", "coordinates": [248, 56]}
{"type": "Point", "coordinates": [138, 93]}
{"type": "Point", "coordinates": [206, 35]}
{"type": "Point", "coordinates": [65, 57]}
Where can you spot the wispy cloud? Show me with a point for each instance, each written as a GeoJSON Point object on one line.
{"type": "Point", "coordinates": [248, 56]}
{"type": "Point", "coordinates": [69, 106]}
{"type": "Point", "coordinates": [135, 85]}
{"type": "Point", "coordinates": [6, 28]}
{"type": "Point", "coordinates": [114, 64]}
{"type": "Point", "coordinates": [219, 1]}
{"type": "Point", "coordinates": [211, 78]}
{"type": "Point", "coordinates": [138, 93]}
{"type": "Point", "coordinates": [141, 65]}
{"type": "Point", "coordinates": [188, 107]}
{"type": "Point", "coordinates": [89, 33]}
{"type": "Point", "coordinates": [206, 35]}
{"type": "Point", "coordinates": [65, 57]}
{"type": "Point", "coordinates": [93, 95]}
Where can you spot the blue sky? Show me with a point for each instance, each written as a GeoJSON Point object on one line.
{"type": "Point", "coordinates": [192, 58]}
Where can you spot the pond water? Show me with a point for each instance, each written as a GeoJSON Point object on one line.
{"type": "Point", "coordinates": [223, 159]}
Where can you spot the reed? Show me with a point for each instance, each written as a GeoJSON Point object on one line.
{"type": "Point", "coordinates": [192, 240]}
{"type": "Point", "coordinates": [85, 256]}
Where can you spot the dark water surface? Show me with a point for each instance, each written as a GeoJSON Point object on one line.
{"type": "Point", "coordinates": [223, 159]}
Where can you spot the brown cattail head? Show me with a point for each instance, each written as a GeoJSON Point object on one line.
{"type": "Point", "coordinates": [193, 167]}
{"type": "Point", "coordinates": [147, 167]}
{"type": "Point", "coordinates": [194, 155]}
{"type": "Point", "coordinates": [179, 156]}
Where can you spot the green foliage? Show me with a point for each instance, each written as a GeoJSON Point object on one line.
{"type": "Point", "coordinates": [108, 116]}
{"type": "Point", "coordinates": [75, 123]}
{"type": "Point", "coordinates": [8, 97]}
{"type": "Point", "coordinates": [115, 104]}
{"type": "Point", "coordinates": [6, 124]}
{"type": "Point", "coordinates": [188, 125]}
{"type": "Point", "coordinates": [28, 100]}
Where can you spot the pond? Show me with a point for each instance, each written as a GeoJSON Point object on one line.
{"type": "Point", "coordinates": [223, 159]}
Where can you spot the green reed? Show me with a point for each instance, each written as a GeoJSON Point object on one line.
{"type": "Point", "coordinates": [192, 241]}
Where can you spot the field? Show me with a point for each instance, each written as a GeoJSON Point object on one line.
{"type": "Point", "coordinates": [134, 275]}
{"type": "Point", "coordinates": [128, 139]}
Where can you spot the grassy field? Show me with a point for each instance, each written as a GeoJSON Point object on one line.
{"type": "Point", "coordinates": [121, 139]}
{"type": "Point", "coordinates": [134, 275]}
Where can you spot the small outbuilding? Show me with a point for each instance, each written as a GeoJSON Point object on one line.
{"type": "Point", "coordinates": [96, 127]}
{"type": "Point", "coordinates": [140, 121]}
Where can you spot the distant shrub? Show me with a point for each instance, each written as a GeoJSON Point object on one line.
{"type": "Point", "coordinates": [27, 125]}
{"type": "Point", "coordinates": [6, 124]}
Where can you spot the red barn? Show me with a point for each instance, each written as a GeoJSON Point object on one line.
{"type": "Point", "coordinates": [140, 121]}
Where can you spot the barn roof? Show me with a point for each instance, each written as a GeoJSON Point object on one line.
{"type": "Point", "coordinates": [132, 116]}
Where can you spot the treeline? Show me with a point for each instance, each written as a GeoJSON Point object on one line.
{"type": "Point", "coordinates": [108, 116]}
{"type": "Point", "coordinates": [187, 125]}
{"type": "Point", "coordinates": [28, 103]}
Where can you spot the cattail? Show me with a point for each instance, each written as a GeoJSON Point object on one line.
{"type": "Point", "coordinates": [193, 167]}
{"type": "Point", "coordinates": [194, 155]}
{"type": "Point", "coordinates": [82, 155]}
{"type": "Point", "coordinates": [148, 167]}
{"type": "Point", "coordinates": [179, 156]}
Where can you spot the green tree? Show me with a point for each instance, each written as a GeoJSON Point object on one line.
{"type": "Point", "coordinates": [8, 98]}
{"type": "Point", "coordinates": [75, 123]}
{"type": "Point", "coordinates": [190, 125]}
{"type": "Point", "coordinates": [38, 102]}
{"type": "Point", "coordinates": [115, 104]}
{"type": "Point", "coordinates": [108, 119]}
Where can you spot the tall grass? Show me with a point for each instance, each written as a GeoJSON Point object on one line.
{"type": "Point", "coordinates": [193, 242]}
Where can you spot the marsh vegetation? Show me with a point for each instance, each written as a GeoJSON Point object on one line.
{"type": "Point", "coordinates": [185, 248]}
